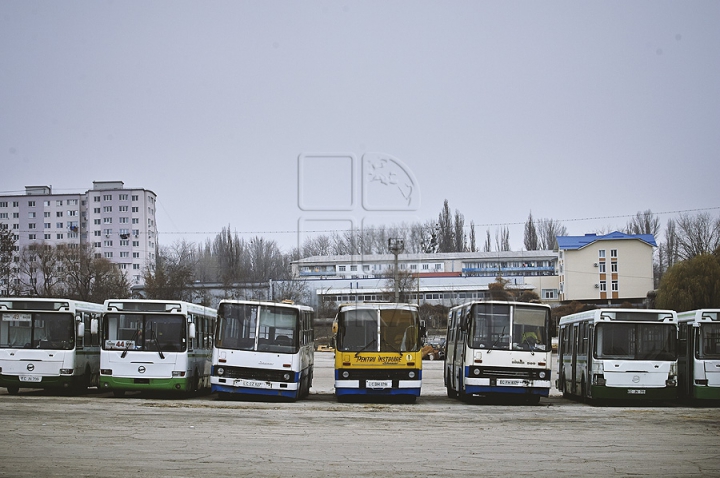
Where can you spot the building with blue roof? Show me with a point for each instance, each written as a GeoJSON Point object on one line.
{"type": "Point", "coordinates": [613, 268]}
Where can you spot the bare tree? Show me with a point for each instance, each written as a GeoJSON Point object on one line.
{"type": "Point", "coordinates": [90, 278]}
{"type": "Point", "coordinates": [548, 230]}
{"type": "Point", "coordinates": [172, 275]}
{"type": "Point", "coordinates": [487, 245]}
{"type": "Point", "coordinates": [502, 239]}
{"type": "Point", "coordinates": [459, 233]}
{"type": "Point", "coordinates": [7, 247]}
{"type": "Point", "coordinates": [473, 245]}
{"type": "Point", "coordinates": [446, 232]}
{"type": "Point", "coordinates": [530, 238]}
{"type": "Point", "coordinates": [644, 222]}
{"type": "Point", "coordinates": [38, 270]}
{"type": "Point", "coordinates": [697, 235]}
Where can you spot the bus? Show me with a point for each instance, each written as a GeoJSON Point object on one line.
{"type": "Point", "coordinates": [48, 343]}
{"type": "Point", "coordinates": [498, 349]}
{"type": "Point", "coordinates": [699, 354]}
{"type": "Point", "coordinates": [156, 345]}
{"type": "Point", "coordinates": [263, 348]}
{"type": "Point", "coordinates": [606, 354]}
{"type": "Point", "coordinates": [378, 351]}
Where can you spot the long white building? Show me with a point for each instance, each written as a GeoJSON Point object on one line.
{"type": "Point", "coordinates": [118, 223]}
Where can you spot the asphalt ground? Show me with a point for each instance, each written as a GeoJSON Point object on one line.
{"type": "Point", "coordinates": [95, 434]}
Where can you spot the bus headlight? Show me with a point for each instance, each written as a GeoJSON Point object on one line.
{"type": "Point", "coordinates": [411, 374]}
{"type": "Point", "coordinates": [220, 371]}
{"type": "Point", "coordinates": [286, 377]}
{"type": "Point", "coordinates": [178, 373]}
{"type": "Point", "coordinates": [476, 372]}
{"type": "Point", "coordinates": [542, 374]}
{"type": "Point", "coordinates": [345, 374]}
{"type": "Point", "coordinates": [66, 371]}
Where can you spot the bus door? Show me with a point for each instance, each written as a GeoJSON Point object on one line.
{"type": "Point", "coordinates": [573, 354]}
{"type": "Point", "coordinates": [590, 347]}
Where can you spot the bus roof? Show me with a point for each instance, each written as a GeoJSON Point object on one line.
{"type": "Point", "coordinates": [157, 306]}
{"type": "Point", "coordinates": [48, 304]}
{"type": "Point", "coordinates": [699, 315]}
{"type": "Point", "coordinates": [265, 303]}
{"type": "Point", "coordinates": [610, 314]}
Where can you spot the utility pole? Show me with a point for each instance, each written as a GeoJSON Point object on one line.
{"type": "Point", "coordinates": [396, 246]}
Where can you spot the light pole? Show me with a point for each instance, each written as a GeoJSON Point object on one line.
{"type": "Point", "coordinates": [396, 246]}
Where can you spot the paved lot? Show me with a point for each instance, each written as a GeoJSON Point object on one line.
{"type": "Point", "coordinates": [97, 435]}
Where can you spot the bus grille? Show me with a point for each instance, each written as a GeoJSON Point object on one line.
{"type": "Point", "coordinates": [253, 373]}
{"type": "Point", "coordinates": [524, 374]}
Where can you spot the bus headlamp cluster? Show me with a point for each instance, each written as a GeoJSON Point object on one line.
{"type": "Point", "coordinates": [541, 374]}
{"type": "Point", "coordinates": [286, 376]}
{"type": "Point", "coordinates": [345, 374]}
{"type": "Point", "coordinates": [66, 371]}
{"type": "Point", "coordinates": [220, 371]}
{"type": "Point", "coordinates": [411, 374]}
{"type": "Point", "coordinates": [476, 372]}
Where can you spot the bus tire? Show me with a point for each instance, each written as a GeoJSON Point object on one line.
{"type": "Point", "coordinates": [13, 390]}
{"type": "Point", "coordinates": [450, 392]}
{"type": "Point", "coordinates": [532, 399]}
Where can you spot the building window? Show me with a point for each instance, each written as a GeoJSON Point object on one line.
{"type": "Point", "coordinates": [59, 236]}
{"type": "Point", "coordinates": [108, 255]}
{"type": "Point", "coordinates": [107, 220]}
{"type": "Point", "coordinates": [59, 225]}
{"type": "Point", "coordinates": [341, 268]}
{"type": "Point", "coordinates": [32, 237]}
{"type": "Point", "coordinates": [602, 267]}
{"type": "Point", "coordinates": [123, 197]}
{"type": "Point", "coordinates": [613, 267]}
{"type": "Point", "coordinates": [72, 213]}
{"type": "Point", "coordinates": [136, 255]}
{"type": "Point", "coordinates": [107, 243]}
{"type": "Point", "coordinates": [135, 197]}
{"type": "Point", "coordinates": [58, 203]}
{"type": "Point", "coordinates": [31, 203]}
{"type": "Point", "coordinates": [613, 252]}
{"type": "Point", "coordinates": [97, 233]}
{"type": "Point", "coordinates": [97, 244]}
{"type": "Point", "coordinates": [96, 222]}
{"type": "Point", "coordinates": [107, 197]}
{"type": "Point", "coordinates": [136, 243]}
{"type": "Point", "coordinates": [31, 225]}
{"type": "Point", "coordinates": [31, 214]}
{"type": "Point", "coordinates": [123, 220]}
{"type": "Point", "coordinates": [136, 266]}
{"type": "Point", "coordinates": [47, 225]}
{"type": "Point", "coordinates": [47, 236]}
{"type": "Point", "coordinates": [46, 214]}
{"type": "Point", "coordinates": [603, 286]}
{"type": "Point", "coordinates": [123, 208]}
{"type": "Point", "coordinates": [107, 208]}
{"type": "Point", "coordinates": [601, 253]}
{"type": "Point", "coordinates": [72, 202]}
{"type": "Point", "coordinates": [59, 214]}
{"type": "Point", "coordinates": [615, 286]}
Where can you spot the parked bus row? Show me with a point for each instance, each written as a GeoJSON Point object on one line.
{"type": "Point", "coordinates": [493, 348]}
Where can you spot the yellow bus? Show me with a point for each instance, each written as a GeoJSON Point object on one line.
{"type": "Point", "coordinates": [378, 351]}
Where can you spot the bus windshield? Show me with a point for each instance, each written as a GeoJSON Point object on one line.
{"type": "Point", "coordinates": [358, 330]}
{"type": "Point", "coordinates": [490, 327]}
{"type": "Point", "coordinates": [632, 341]}
{"type": "Point", "coordinates": [530, 328]}
{"type": "Point", "coordinates": [709, 341]}
{"type": "Point", "coordinates": [37, 330]}
{"type": "Point", "coordinates": [148, 332]}
{"type": "Point", "coordinates": [274, 329]}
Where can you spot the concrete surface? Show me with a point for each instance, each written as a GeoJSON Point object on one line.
{"type": "Point", "coordinates": [98, 435]}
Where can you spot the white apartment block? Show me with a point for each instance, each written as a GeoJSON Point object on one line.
{"type": "Point", "coordinates": [118, 223]}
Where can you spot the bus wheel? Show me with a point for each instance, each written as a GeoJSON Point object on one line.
{"type": "Point", "coordinates": [450, 392]}
{"type": "Point", "coordinates": [12, 390]}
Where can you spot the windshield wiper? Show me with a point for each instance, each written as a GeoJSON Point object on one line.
{"type": "Point", "coordinates": [367, 346]}
{"type": "Point", "coordinates": [157, 344]}
{"type": "Point", "coordinates": [132, 339]}
{"type": "Point", "coordinates": [391, 347]}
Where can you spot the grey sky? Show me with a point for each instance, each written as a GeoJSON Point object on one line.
{"type": "Point", "coordinates": [569, 109]}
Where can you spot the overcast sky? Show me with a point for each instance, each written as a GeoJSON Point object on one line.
{"type": "Point", "coordinates": [277, 116]}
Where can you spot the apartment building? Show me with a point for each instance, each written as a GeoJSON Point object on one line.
{"type": "Point", "coordinates": [606, 269]}
{"type": "Point", "coordinates": [118, 223]}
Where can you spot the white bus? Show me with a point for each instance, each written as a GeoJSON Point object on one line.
{"type": "Point", "coordinates": [156, 345]}
{"type": "Point", "coordinates": [498, 348]}
{"type": "Point", "coordinates": [47, 343]}
{"type": "Point", "coordinates": [699, 354]}
{"type": "Point", "coordinates": [263, 348]}
{"type": "Point", "coordinates": [619, 354]}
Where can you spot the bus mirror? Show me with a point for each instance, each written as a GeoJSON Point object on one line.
{"type": "Point", "coordinates": [334, 327]}
{"type": "Point", "coordinates": [80, 329]}
{"type": "Point", "coordinates": [191, 331]}
{"type": "Point", "coordinates": [94, 326]}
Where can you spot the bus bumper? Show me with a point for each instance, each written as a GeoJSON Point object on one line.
{"type": "Point", "coordinates": [268, 392]}
{"type": "Point", "coordinates": [706, 393]}
{"type": "Point", "coordinates": [598, 392]}
{"type": "Point", "coordinates": [520, 387]}
{"type": "Point", "coordinates": [353, 387]}
{"type": "Point", "coordinates": [110, 383]}
{"type": "Point", "coordinates": [63, 382]}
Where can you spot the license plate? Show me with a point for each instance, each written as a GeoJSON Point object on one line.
{"type": "Point", "coordinates": [510, 382]}
{"type": "Point", "coordinates": [252, 384]}
{"type": "Point", "coordinates": [378, 384]}
{"type": "Point", "coordinates": [632, 391]}
{"type": "Point", "coordinates": [30, 378]}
